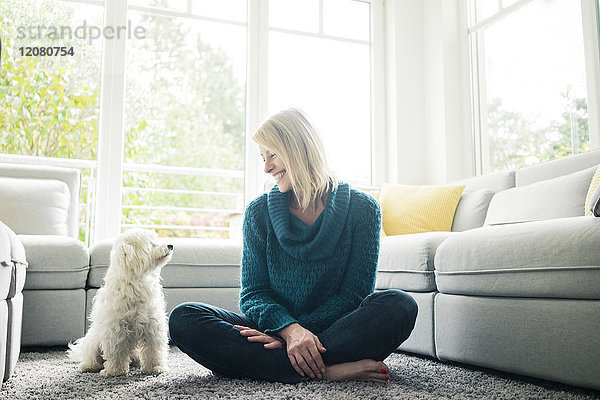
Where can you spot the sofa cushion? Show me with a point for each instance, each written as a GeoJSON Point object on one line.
{"type": "Point", "coordinates": [199, 263]}
{"type": "Point", "coordinates": [553, 198]}
{"type": "Point", "coordinates": [26, 212]}
{"type": "Point", "coordinates": [471, 210]}
{"type": "Point", "coordinates": [557, 167]}
{"type": "Point", "coordinates": [52, 317]}
{"type": "Point", "coordinates": [415, 209]}
{"type": "Point", "coordinates": [406, 261]}
{"type": "Point", "coordinates": [592, 193]}
{"type": "Point", "coordinates": [12, 263]}
{"type": "Point", "coordinates": [497, 182]}
{"type": "Point", "coordinates": [554, 258]}
{"type": "Point", "coordinates": [70, 176]}
{"type": "Point", "coordinates": [595, 202]}
{"type": "Point", "coordinates": [55, 262]}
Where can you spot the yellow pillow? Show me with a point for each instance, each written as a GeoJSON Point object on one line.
{"type": "Point", "coordinates": [591, 190]}
{"type": "Point", "coordinates": [415, 209]}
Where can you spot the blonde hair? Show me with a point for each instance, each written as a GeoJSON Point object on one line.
{"type": "Point", "coordinates": [290, 135]}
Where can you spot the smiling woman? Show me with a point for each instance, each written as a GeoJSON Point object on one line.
{"type": "Point", "coordinates": [309, 311]}
{"type": "Point", "coordinates": [301, 158]}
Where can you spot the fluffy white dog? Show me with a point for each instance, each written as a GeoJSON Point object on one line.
{"type": "Point", "coordinates": [128, 319]}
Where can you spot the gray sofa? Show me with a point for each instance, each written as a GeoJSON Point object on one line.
{"type": "Point", "coordinates": [515, 286]}
{"type": "Point", "coordinates": [13, 263]}
{"type": "Point", "coordinates": [522, 292]}
{"type": "Point", "coordinates": [41, 205]}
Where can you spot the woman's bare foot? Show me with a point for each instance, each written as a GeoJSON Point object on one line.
{"type": "Point", "coordinates": [363, 370]}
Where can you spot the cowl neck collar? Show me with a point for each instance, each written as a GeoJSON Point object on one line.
{"type": "Point", "coordinates": [315, 242]}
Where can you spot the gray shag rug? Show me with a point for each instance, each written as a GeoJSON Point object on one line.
{"type": "Point", "coordinates": [45, 373]}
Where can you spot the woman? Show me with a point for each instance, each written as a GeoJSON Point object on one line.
{"type": "Point", "coordinates": [308, 273]}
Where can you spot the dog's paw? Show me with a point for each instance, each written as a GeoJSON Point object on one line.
{"type": "Point", "coordinates": [90, 367]}
{"type": "Point", "coordinates": [135, 362]}
{"type": "Point", "coordinates": [157, 369]}
{"type": "Point", "coordinates": [113, 372]}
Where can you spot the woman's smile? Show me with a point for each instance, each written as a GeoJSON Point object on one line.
{"type": "Point", "coordinates": [275, 167]}
{"type": "Point", "coordinates": [279, 175]}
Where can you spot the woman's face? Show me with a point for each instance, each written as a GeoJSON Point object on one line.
{"type": "Point", "coordinates": [276, 167]}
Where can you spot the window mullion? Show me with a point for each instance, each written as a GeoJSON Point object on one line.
{"type": "Point", "coordinates": [321, 17]}
{"type": "Point", "coordinates": [111, 132]}
{"type": "Point", "coordinates": [484, 134]}
{"type": "Point", "coordinates": [256, 91]}
{"type": "Point", "coordinates": [476, 104]}
{"type": "Point", "coordinates": [382, 166]}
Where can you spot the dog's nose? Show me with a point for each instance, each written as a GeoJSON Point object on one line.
{"type": "Point", "coordinates": [170, 246]}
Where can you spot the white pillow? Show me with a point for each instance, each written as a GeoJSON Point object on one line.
{"type": "Point", "coordinates": [471, 210]}
{"type": "Point", "coordinates": [34, 206]}
{"type": "Point", "coordinates": [595, 202]}
{"type": "Point", "coordinates": [553, 198]}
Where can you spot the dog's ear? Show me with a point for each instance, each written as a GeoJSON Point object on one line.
{"type": "Point", "coordinates": [127, 250]}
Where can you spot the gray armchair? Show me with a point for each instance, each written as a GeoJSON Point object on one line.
{"type": "Point", "coordinates": [41, 205]}
{"type": "Point", "coordinates": [12, 279]}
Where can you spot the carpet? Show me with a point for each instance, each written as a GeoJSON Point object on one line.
{"type": "Point", "coordinates": [45, 373]}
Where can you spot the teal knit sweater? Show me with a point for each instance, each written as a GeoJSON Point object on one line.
{"type": "Point", "coordinates": [312, 275]}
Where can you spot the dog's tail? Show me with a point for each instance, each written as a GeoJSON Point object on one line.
{"type": "Point", "coordinates": [75, 352]}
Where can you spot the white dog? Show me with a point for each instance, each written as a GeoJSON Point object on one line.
{"type": "Point", "coordinates": [128, 317]}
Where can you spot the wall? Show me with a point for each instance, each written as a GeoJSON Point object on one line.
{"type": "Point", "coordinates": [405, 97]}
{"type": "Point", "coordinates": [428, 91]}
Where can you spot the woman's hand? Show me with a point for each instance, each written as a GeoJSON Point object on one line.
{"type": "Point", "coordinates": [270, 342]}
{"type": "Point", "coordinates": [304, 350]}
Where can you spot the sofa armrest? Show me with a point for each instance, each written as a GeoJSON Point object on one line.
{"type": "Point", "coordinates": [70, 177]}
{"type": "Point", "coordinates": [12, 263]}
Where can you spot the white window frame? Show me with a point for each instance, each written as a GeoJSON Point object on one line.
{"type": "Point", "coordinates": [111, 132]}
{"type": "Point", "coordinates": [256, 92]}
{"type": "Point", "coordinates": [382, 169]}
{"type": "Point", "coordinates": [480, 137]}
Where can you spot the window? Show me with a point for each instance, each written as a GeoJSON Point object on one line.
{"type": "Point", "coordinates": [158, 118]}
{"type": "Point", "coordinates": [185, 118]}
{"type": "Point", "coordinates": [530, 86]}
{"type": "Point", "coordinates": [49, 104]}
{"type": "Point", "coordinates": [320, 62]}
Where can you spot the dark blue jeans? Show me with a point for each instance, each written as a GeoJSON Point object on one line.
{"type": "Point", "coordinates": [373, 331]}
